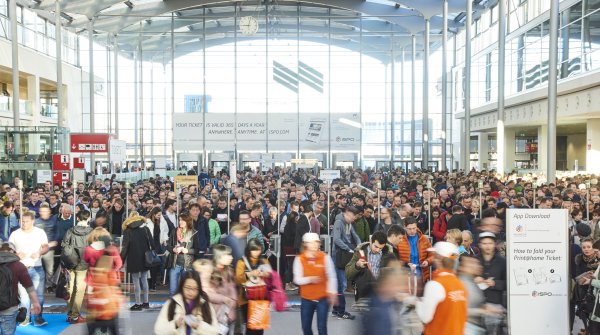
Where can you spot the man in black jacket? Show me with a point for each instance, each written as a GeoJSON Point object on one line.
{"type": "Point", "coordinates": [203, 231]}
{"type": "Point", "coordinates": [303, 224]}
{"type": "Point", "coordinates": [458, 220]}
{"type": "Point", "coordinates": [494, 269]}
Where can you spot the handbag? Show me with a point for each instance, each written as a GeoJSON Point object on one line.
{"type": "Point", "coordinates": [276, 292]}
{"type": "Point", "coordinates": [151, 258]}
{"type": "Point", "coordinates": [259, 314]}
{"type": "Point", "coordinates": [343, 257]}
{"type": "Point", "coordinates": [254, 288]}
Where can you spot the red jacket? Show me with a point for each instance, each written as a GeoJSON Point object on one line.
{"type": "Point", "coordinates": [422, 244]}
{"type": "Point", "coordinates": [439, 227]}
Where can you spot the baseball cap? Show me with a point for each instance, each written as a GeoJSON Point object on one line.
{"type": "Point", "coordinates": [310, 237]}
{"type": "Point", "coordinates": [487, 234]}
{"type": "Point", "coordinates": [445, 249]}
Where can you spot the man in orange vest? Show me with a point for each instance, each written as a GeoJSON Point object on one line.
{"type": "Point", "coordinates": [314, 273]}
{"type": "Point", "coordinates": [443, 308]}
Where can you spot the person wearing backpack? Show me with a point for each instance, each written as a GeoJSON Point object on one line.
{"type": "Point", "coordinates": [74, 244]}
{"type": "Point", "coordinates": [13, 273]}
{"type": "Point", "coordinates": [30, 244]}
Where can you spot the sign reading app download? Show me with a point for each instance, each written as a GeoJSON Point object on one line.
{"type": "Point", "coordinates": [537, 254]}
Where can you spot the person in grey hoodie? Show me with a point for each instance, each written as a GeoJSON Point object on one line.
{"type": "Point", "coordinates": [77, 237]}
{"type": "Point", "coordinates": [344, 238]}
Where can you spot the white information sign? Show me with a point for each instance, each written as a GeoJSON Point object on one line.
{"type": "Point", "coordinates": [538, 271]}
{"type": "Point", "coordinates": [43, 176]}
{"type": "Point", "coordinates": [329, 174]}
{"type": "Point", "coordinates": [233, 171]}
{"type": "Point", "coordinates": [118, 151]}
{"type": "Point", "coordinates": [310, 131]}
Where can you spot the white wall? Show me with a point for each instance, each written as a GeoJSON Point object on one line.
{"type": "Point", "coordinates": [34, 63]}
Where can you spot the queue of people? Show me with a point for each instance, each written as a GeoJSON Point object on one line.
{"type": "Point", "coordinates": [433, 256]}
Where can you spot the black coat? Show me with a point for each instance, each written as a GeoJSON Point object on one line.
{"type": "Point", "coordinates": [302, 227]}
{"type": "Point", "coordinates": [495, 268]}
{"type": "Point", "coordinates": [457, 221]}
{"type": "Point", "coordinates": [135, 244]}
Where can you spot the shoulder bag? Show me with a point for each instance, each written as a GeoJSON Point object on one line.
{"type": "Point", "coordinates": [254, 288]}
{"type": "Point", "coordinates": [151, 258]}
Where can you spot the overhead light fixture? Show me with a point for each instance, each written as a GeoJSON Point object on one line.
{"type": "Point", "coordinates": [350, 123]}
{"type": "Point", "coordinates": [66, 16]}
{"type": "Point", "coordinates": [128, 4]}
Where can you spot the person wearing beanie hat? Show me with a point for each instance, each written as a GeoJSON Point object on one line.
{"type": "Point", "coordinates": [314, 273]}
{"type": "Point", "coordinates": [443, 307]}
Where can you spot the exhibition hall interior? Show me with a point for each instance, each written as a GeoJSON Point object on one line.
{"type": "Point", "coordinates": [130, 91]}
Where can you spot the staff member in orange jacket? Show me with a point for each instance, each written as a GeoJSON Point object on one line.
{"type": "Point", "coordinates": [315, 273]}
{"type": "Point", "coordinates": [413, 249]}
{"type": "Point", "coordinates": [443, 307]}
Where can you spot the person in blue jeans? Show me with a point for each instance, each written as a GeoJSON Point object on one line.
{"type": "Point", "coordinates": [181, 247]}
{"type": "Point", "coordinates": [314, 273]}
{"type": "Point", "coordinates": [346, 239]}
{"type": "Point", "coordinates": [31, 243]}
{"type": "Point", "coordinates": [20, 277]}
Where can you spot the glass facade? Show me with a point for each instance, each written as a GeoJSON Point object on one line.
{"type": "Point", "coordinates": [527, 49]}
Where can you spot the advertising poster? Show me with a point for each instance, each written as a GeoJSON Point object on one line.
{"type": "Point", "coordinates": [538, 271]}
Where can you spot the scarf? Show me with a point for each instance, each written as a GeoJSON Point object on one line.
{"type": "Point", "coordinates": [189, 307]}
{"type": "Point", "coordinates": [591, 261]}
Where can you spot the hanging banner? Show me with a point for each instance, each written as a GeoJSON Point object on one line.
{"type": "Point", "coordinates": [538, 271]}
{"type": "Point", "coordinates": [89, 142]}
{"type": "Point", "coordinates": [233, 171]}
{"type": "Point", "coordinates": [183, 181]}
{"type": "Point", "coordinates": [308, 131]}
{"type": "Point", "coordinates": [118, 151]}
{"type": "Point", "coordinates": [43, 176]}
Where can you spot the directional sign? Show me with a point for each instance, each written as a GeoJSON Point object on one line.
{"type": "Point", "coordinates": [61, 162]}
{"type": "Point", "coordinates": [89, 142]}
{"type": "Point", "coordinates": [61, 177]}
{"type": "Point", "coordinates": [329, 174]}
{"type": "Point", "coordinates": [78, 163]}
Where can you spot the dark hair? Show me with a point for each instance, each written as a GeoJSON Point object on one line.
{"type": "Point", "coordinates": [202, 299]}
{"type": "Point", "coordinates": [101, 215]}
{"type": "Point", "coordinates": [456, 209]}
{"type": "Point", "coordinates": [152, 214]}
{"type": "Point", "coordinates": [380, 237]}
{"type": "Point", "coordinates": [306, 206]}
{"type": "Point", "coordinates": [410, 220]}
{"type": "Point", "coordinates": [194, 205]}
{"type": "Point", "coordinates": [244, 212]}
{"type": "Point", "coordinates": [8, 204]}
{"type": "Point", "coordinates": [395, 230]}
{"type": "Point", "coordinates": [352, 210]}
{"type": "Point", "coordinates": [253, 245]}
{"type": "Point", "coordinates": [83, 215]}
{"type": "Point", "coordinates": [169, 203]}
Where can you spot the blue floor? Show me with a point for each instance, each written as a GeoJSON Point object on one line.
{"type": "Point", "coordinates": [56, 324]}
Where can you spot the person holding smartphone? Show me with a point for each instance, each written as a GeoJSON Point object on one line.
{"type": "Point", "coordinates": [188, 311]}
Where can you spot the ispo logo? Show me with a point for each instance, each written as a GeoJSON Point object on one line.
{"type": "Point", "coordinates": [536, 294]}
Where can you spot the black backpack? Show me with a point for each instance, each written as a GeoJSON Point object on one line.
{"type": "Point", "coordinates": [8, 298]}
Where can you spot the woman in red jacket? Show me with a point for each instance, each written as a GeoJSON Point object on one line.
{"type": "Point", "coordinates": [100, 244]}
{"type": "Point", "coordinates": [439, 224]}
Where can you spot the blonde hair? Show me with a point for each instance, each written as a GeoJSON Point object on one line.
{"type": "Point", "coordinates": [455, 235]}
{"type": "Point", "coordinates": [96, 234]}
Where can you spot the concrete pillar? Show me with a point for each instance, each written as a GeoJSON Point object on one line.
{"type": "Point", "coordinates": [33, 97]}
{"type": "Point", "coordinates": [483, 151]}
{"type": "Point", "coordinates": [592, 156]}
{"type": "Point", "coordinates": [542, 163]}
{"type": "Point", "coordinates": [509, 149]}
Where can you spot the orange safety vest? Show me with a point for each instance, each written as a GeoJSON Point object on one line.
{"type": "Point", "coordinates": [450, 315]}
{"type": "Point", "coordinates": [314, 267]}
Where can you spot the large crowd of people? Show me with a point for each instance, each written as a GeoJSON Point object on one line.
{"type": "Point", "coordinates": [418, 252]}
